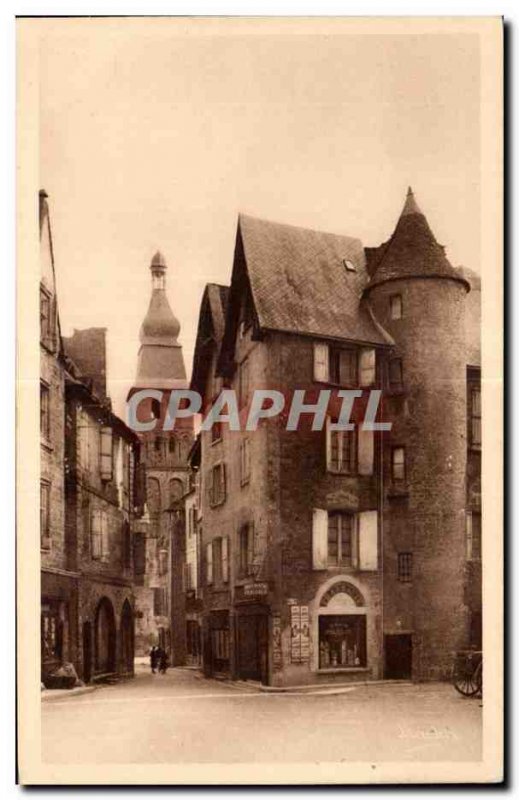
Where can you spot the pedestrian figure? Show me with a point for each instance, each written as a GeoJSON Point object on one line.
{"type": "Point", "coordinates": [163, 661]}
{"type": "Point", "coordinates": [154, 657]}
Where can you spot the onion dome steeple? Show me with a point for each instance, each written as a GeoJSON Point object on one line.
{"type": "Point", "coordinates": [160, 325]}
{"type": "Point", "coordinates": [161, 365]}
{"type": "Point", "coordinates": [412, 251]}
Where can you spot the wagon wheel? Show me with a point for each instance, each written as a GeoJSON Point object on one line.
{"type": "Point", "coordinates": [468, 682]}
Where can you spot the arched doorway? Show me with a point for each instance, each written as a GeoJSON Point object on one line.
{"type": "Point", "coordinates": [105, 637]}
{"type": "Point", "coordinates": [127, 638]}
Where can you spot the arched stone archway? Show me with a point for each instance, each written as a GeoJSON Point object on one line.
{"type": "Point", "coordinates": [105, 637]}
{"type": "Point", "coordinates": [127, 638]}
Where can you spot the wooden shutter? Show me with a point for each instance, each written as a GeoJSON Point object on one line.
{"type": "Point", "coordinates": [366, 452]}
{"type": "Point", "coordinates": [320, 539]}
{"type": "Point", "coordinates": [321, 372]}
{"type": "Point", "coordinates": [96, 533]}
{"type": "Point", "coordinates": [209, 562]}
{"type": "Point", "coordinates": [223, 484]}
{"type": "Point", "coordinates": [368, 540]}
{"type": "Point", "coordinates": [105, 536]}
{"type": "Point", "coordinates": [225, 559]}
{"type": "Point", "coordinates": [106, 453]}
{"type": "Point", "coordinates": [367, 366]}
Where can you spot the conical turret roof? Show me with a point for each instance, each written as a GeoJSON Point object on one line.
{"type": "Point", "coordinates": [412, 251]}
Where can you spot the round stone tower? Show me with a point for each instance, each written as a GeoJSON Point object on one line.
{"type": "Point", "coordinates": [419, 298]}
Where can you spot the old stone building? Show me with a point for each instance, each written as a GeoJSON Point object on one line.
{"type": "Point", "coordinates": [101, 455]}
{"type": "Point", "coordinates": [341, 555]}
{"type": "Point", "coordinates": [88, 464]}
{"type": "Point", "coordinates": [164, 471]}
{"type": "Point", "coordinates": [59, 626]}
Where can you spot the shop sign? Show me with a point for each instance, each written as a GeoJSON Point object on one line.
{"type": "Point", "coordinates": [277, 657]}
{"type": "Point", "coordinates": [255, 589]}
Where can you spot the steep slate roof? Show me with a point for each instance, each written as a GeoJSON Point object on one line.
{"type": "Point", "coordinates": [300, 284]}
{"type": "Point", "coordinates": [210, 331]}
{"type": "Point", "coordinates": [412, 251]}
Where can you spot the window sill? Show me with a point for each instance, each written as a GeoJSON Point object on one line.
{"type": "Point", "coordinates": [219, 503]}
{"type": "Point", "coordinates": [333, 670]}
{"type": "Point", "coordinates": [342, 472]}
{"type": "Point", "coordinates": [475, 448]}
{"type": "Point", "coordinates": [216, 441]}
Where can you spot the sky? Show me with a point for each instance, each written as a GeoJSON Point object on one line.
{"type": "Point", "coordinates": [156, 136]}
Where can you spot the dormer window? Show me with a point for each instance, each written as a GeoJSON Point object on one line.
{"type": "Point", "coordinates": [349, 265]}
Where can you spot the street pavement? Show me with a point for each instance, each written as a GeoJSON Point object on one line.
{"type": "Point", "coordinates": [182, 717]}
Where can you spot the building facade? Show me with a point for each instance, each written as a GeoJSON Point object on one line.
{"type": "Point", "coordinates": [88, 467]}
{"type": "Point", "coordinates": [164, 472]}
{"type": "Point", "coordinates": [336, 555]}
{"type": "Point", "coordinates": [59, 577]}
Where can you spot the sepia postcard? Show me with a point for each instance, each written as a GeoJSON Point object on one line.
{"type": "Point", "coordinates": [259, 400]}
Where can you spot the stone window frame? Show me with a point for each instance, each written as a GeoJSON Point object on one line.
{"type": "Point", "coordinates": [396, 304]}
{"type": "Point", "coordinates": [218, 491]}
{"type": "Point", "coordinates": [395, 476]}
{"type": "Point", "coordinates": [398, 384]}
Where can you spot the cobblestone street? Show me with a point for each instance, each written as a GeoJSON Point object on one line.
{"type": "Point", "coordinates": [182, 717]}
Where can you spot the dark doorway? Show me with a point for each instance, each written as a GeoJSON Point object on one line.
{"type": "Point", "coordinates": [105, 638]}
{"type": "Point", "coordinates": [252, 646]}
{"type": "Point", "coordinates": [399, 656]}
{"type": "Point", "coordinates": [87, 652]}
{"type": "Point", "coordinates": [127, 638]}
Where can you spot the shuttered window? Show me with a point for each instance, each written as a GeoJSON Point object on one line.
{"type": "Point", "coordinates": [343, 366]}
{"type": "Point", "coordinates": [217, 486]}
{"type": "Point", "coordinates": [106, 455]}
{"type": "Point", "coordinates": [340, 539]}
{"type": "Point", "coordinates": [321, 362]}
{"type": "Point", "coordinates": [99, 535]}
{"type": "Point", "coordinates": [345, 540]}
{"type": "Point", "coordinates": [341, 450]}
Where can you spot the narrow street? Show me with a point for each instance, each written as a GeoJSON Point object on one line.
{"type": "Point", "coordinates": [182, 717]}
